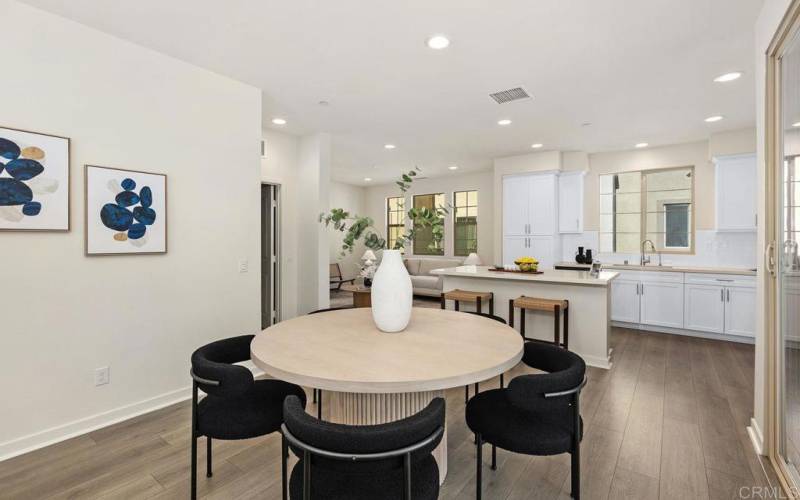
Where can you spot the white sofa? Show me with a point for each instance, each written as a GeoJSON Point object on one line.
{"type": "Point", "coordinates": [423, 282]}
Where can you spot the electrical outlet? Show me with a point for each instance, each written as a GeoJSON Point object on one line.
{"type": "Point", "coordinates": [102, 376]}
{"type": "Point", "coordinates": [243, 265]}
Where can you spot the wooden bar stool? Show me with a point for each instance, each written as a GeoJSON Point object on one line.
{"type": "Point", "coordinates": [467, 296]}
{"type": "Point", "coordinates": [548, 305]}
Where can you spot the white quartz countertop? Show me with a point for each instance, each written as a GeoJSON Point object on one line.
{"type": "Point", "coordinates": [581, 278]}
{"type": "Point", "coordinates": [674, 269]}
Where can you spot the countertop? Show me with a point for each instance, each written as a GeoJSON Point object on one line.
{"type": "Point", "coordinates": [548, 276]}
{"type": "Point", "coordinates": [674, 269]}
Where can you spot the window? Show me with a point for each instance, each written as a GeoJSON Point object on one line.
{"type": "Point", "coordinates": [653, 205]}
{"type": "Point", "coordinates": [465, 222]}
{"type": "Point", "coordinates": [395, 220]}
{"type": "Point", "coordinates": [429, 240]}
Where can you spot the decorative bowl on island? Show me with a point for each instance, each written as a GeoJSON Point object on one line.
{"type": "Point", "coordinates": [527, 264]}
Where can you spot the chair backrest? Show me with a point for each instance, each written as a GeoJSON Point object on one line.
{"type": "Point", "coordinates": [214, 362]}
{"type": "Point", "coordinates": [565, 370]}
{"type": "Point", "coordinates": [364, 439]}
{"type": "Point", "coordinates": [489, 316]}
{"type": "Point", "coordinates": [330, 309]}
{"type": "Point", "coordinates": [335, 271]}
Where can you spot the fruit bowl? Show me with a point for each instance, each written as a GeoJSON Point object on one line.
{"type": "Point", "coordinates": [527, 264]}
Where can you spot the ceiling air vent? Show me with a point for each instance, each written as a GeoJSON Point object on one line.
{"type": "Point", "coordinates": [509, 95]}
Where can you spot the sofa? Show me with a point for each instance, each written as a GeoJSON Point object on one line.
{"type": "Point", "coordinates": [423, 282]}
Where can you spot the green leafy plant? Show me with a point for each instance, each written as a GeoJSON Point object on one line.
{"type": "Point", "coordinates": [356, 227]}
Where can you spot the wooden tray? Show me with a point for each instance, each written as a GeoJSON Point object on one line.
{"type": "Point", "coordinates": [515, 271]}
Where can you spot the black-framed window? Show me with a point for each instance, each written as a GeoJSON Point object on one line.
{"type": "Point", "coordinates": [395, 219]}
{"type": "Point", "coordinates": [465, 222]}
{"type": "Point", "coordinates": [424, 241]}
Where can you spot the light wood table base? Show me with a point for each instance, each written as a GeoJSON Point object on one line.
{"type": "Point", "coordinates": [369, 409]}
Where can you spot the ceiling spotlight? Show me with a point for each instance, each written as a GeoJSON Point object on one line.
{"type": "Point", "coordinates": [641, 145]}
{"type": "Point", "coordinates": [712, 119]}
{"type": "Point", "coordinates": [453, 167]}
{"type": "Point", "coordinates": [728, 77]}
{"type": "Point", "coordinates": [537, 145]}
{"type": "Point", "coordinates": [367, 179]}
{"type": "Point", "coordinates": [438, 42]}
{"type": "Point", "coordinates": [504, 122]}
{"type": "Point", "coordinates": [279, 121]}
{"type": "Point", "coordinates": [389, 146]}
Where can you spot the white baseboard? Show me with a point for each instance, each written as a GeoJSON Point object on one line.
{"type": "Point", "coordinates": [53, 435]}
{"type": "Point", "coordinates": [756, 437]}
{"type": "Point", "coordinates": [685, 333]}
{"type": "Point", "coordinates": [25, 444]}
{"type": "Point", "coordinates": [596, 361]}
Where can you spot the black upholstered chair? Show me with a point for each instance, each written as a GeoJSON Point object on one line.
{"type": "Point", "coordinates": [371, 462]}
{"type": "Point", "coordinates": [477, 386]}
{"type": "Point", "coordinates": [537, 414]}
{"type": "Point", "coordinates": [317, 393]}
{"type": "Point", "coordinates": [236, 406]}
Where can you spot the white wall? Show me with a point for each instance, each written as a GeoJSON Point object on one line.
{"type": "Point", "coordinates": [480, 181]}
{"type": "Point", "coordinates": [353, 199]}
{"type": "Point", "coordinates": [65, 314]}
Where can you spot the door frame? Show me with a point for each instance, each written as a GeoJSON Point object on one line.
{"type": "Point", "coordinates": [773, 149]}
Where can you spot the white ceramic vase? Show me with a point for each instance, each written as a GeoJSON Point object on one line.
{"type": "Point", "coordinates": [392, 294]}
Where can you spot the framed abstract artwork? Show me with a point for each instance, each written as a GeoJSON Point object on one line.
{"type": "Point", "coordinates": [34, 181]}
{"type": "Point", "coordinates": [126, 211]}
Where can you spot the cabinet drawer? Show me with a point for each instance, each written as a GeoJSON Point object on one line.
{"type": "Point", "coordinates": [721, 280]}
{"type": "Point", "coordinates": [661, 277]}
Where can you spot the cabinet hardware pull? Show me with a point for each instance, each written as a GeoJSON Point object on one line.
{"type": "Point", "coordinates": [728, 294]}
{"type": "Point", "coordinates": [722, 294]}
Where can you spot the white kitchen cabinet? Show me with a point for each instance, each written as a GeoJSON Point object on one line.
{"type": "Point", "coordinates": [736, 184]}
{"type": "Point", "coordinates": [705, 308]}
{"type": "Point", "coordinates": [662, 304]}
{"type": "Point", "coordinates": [514, 247]}
{"type": "Point", "coordinates": [625, 300]}
{"type": "Point", "coordinates": [740, 311]}
{"type": "Point", "coordinates": [570, 202]}
{"type": "Point", "coordinates": [542, 212]}
{"type": "Point", "coordinates": [516, 205]}
{"type": "Point", "coordinates": [543, 248]}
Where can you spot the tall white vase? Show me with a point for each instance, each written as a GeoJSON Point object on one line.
{"type": "Point", "coordinates": [392, 294]}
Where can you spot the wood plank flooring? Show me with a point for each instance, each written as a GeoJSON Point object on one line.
{"type": "Point", "coordinates": [667, 421]}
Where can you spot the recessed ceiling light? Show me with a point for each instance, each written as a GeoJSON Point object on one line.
{"type": "Point", "coordinates": [453, 167]}
{"type": "Point", "coordinates": [641, 145]}
{"type": "Point", "coordinates": [438, 42]}
{"type": "Point", "coordinates": [536, 146]}
{"type": "Point", "coordinates": [323, 103]}
{"type": "Point", "coordinates": [389, 146]}
{"type": "Point", "coordinates": [728, 77]}
{"type": "Point", "coordinates": [504, 122]}
{"type": "Point", "coordinates": [279, 121]}
{"type": "Point", "coordinates": [796, 124]}
{"type": "Point", "coordinates": [712, 119]}
{"type": "Point", "coordinates": [367, 179]}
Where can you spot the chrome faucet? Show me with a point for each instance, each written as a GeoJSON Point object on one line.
{"type": "Point", "coordinates": [644, 259]}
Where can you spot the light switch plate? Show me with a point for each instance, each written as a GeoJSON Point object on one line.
{"type": "Point", "coordinates": [102, 376]}
{"type": "Point", "coordinates": [243, 266]}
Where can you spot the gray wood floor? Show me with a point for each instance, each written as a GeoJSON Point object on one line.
{"type": "Point", "coordinates": [667, 421]}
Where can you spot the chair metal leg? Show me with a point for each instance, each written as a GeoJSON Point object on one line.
{"type": "Point", "coordinates": [314, 395]}
{"type": "Point", "coordinates": [491, 304]}
{"type": "Point", "coordinates": [306, 475]}
{"type": "Point", "coordinates": [444, 302]}
{"type": "Point", "coordinates": [407, 473]}
{"type": "Point", "coordinates": [478, 305]}
{"type": "Point", "coordinates": [501, 380]}
{"type": "Point", "coordinates": [566, 327]}
{"type": "Point", "coordinates": [576, 473]}
{"type": "Point", "coordinates": [193, 467]}
{"type": "Point", "coordinates": [284, 457]}
{"type": "Point", "coordinates": [476, 388]}
{"type": "Point", "coordinates": [511, 313]}
{"type": "Point", "coordinates": [494, 457]}
{"type": "Point", "coordinates": [208, 457]}
{"type": "Point", "coordinates": [479, 445]}
{"type": "Point", "coordinates": [466, 394]}
{"type": "Point", "coordinates": [319, 405]}
{"type": "Point", "coordinates": [577, 432]}
{"type": "Point", "coordinates": [457, 307]}
{"type": "Point", "coordinates": [557, 326]}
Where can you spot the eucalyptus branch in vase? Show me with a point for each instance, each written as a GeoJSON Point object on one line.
{"type": "Point", "coordinates": [356, 227]}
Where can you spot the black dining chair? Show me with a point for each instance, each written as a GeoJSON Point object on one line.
{"type": "Point", "coordinates": [538, 414]}
{"type": "Point", "coordinates": [317, 393]}
{"type": "Point", "coordinates": [363, 462]}
{"type": "Point", "coordinates": [236, 406]}
{"type": "Point", "coordinates": [477, 385]}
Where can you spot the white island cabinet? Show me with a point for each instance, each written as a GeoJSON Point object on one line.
{"type": "Point", "coordinates": [589, 303]}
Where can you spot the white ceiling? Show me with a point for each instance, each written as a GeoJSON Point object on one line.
{"type": "Point", "coordinates": [638, 71]}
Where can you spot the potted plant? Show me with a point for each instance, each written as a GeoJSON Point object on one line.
{"type": "Point", "coordinates": [392, 295]}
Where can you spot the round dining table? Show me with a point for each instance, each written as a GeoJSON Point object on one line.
{"type": "Point", "coordinates": [372, 377]}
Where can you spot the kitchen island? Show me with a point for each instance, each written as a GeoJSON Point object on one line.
{"type": "Point", "coordinates": [589, 303]}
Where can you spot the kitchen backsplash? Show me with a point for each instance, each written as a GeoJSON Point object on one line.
{"type": "Point", "coordinates": [719, 249]}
